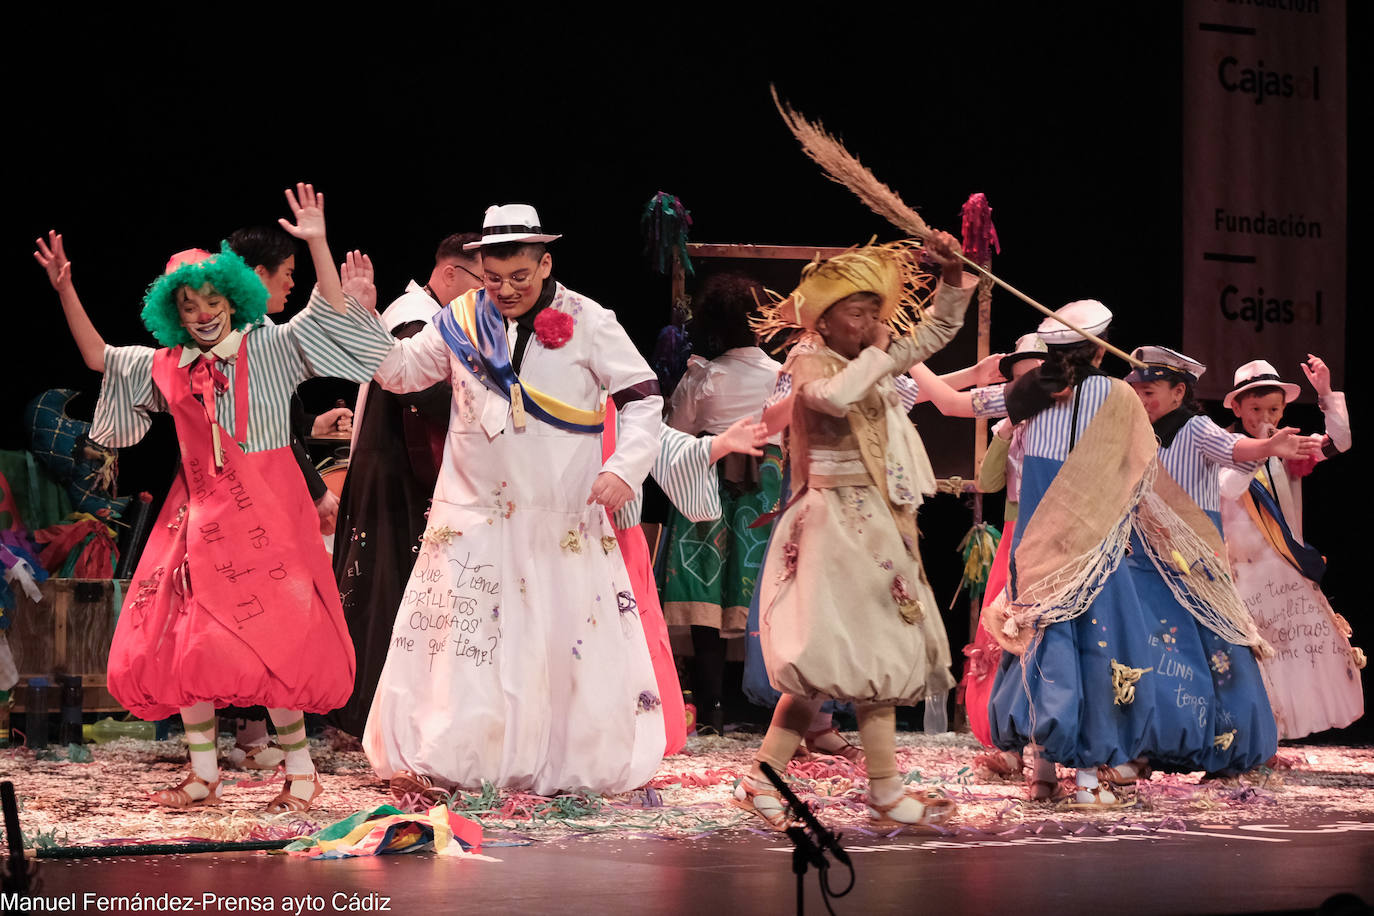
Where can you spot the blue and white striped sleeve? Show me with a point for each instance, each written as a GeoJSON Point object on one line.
{"type": "Point", "coordinates": [128, 397]}
{"type": "Point", "coordinates": [990, 401]}
{"type": "Point", "coordinates": [684, 470]}
{"type": "Point", "coordinates": [1217, 446]}
{"type": "Point", "coordinates": [908, 390]}
{"type": "Point", "coordinates": [349, 344]}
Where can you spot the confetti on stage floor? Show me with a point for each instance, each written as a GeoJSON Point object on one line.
{"type": "Point", "coordinates": [105, 801]}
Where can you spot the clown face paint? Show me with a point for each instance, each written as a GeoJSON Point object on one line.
{"type": "Point", "coordinates": [1159, 397]}
{"type": "Point", "coordinates": [205, 314]}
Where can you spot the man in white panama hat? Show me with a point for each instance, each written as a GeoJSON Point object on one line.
{"type": "Point", "coordinates": [517, 655]}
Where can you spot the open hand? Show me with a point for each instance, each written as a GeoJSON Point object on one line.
{"type": "Point", "coordinates": [358, 279]}
{"type": "Point", "coordinates": [308, 209]}
{"type": "Point", "coordinates": [610, 491]}
{"type": "Point", "coordinates": [745, 436]}
{"type": "Point", "coordinates": [1317, 372]}
{"type": "Point", "coordinates": [53, 259]}
{"type": "Point", "coordinates": [1289, 443]}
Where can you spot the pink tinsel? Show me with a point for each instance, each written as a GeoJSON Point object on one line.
{"type": "Point", "coordinates": [979, 235]}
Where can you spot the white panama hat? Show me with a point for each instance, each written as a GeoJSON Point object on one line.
{"type": "Point", "coordinates": [510, 223]}
{"type": "Point", "coordinates": [1088, 314]}
{"type": "Point", "coordinates": [1258, 373]}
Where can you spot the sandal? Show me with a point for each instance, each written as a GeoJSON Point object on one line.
{"type": "Point", "coordinates": [179, 797]}
{"type": "Point", "coordinates": [407, 785]}
{"type": "Point", "coordinates": [1046, 790]}
{"type": "Point", "coordinates": [286, 800]}
{"type": "Point", "coordinates": [1097, 804]}
{"type": "Point", "coordinates": [1113, 777]}
{"type": "Point", "coordinates": [934, 809]}
{"type": "Point", "coordinates": [1006, 764]}
{"type": "Point", "coordinates": [766, 803]}
{"type": "Point", "coordinates": [850, 752]}
{"type": "Point", "coordinates": [258, 757]}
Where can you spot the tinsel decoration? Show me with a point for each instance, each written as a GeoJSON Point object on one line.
{"type": "Point", "coordinates": [979, 234]}
{"type": "Point", "coordinates": [978, 548]}
{"type": "Point", "coordinates": [665, 224]}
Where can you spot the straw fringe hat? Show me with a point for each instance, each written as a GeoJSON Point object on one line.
{"type": "Point", "coordinates": [889, 271]}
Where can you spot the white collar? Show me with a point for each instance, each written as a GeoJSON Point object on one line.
{"type": "Point", "coordinates": [227, 349]}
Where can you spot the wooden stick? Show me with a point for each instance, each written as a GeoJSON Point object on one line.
{"type": "Point", "coordinates": [1115, 351]}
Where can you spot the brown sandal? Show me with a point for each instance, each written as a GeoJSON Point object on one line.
{"type": "Point", "coordinates": [778, 818]}
{"type": "Point", "coordinates": [935, 809]}
{"type": "Point", "coordinates": [178, 797]}
{"type": "Point", "coordinates": [251, 754]}
{"type": "Point", "coordinates": [1112, 776]}
{"type": "Point", "coordinates": [850, 752]}
{"type": "Point", "coordinates": [405, 784]}
{"type": "Point", "coordinates": [1097, 804]}
{"type": "Point", "coordinates": [997, 763]}
{"type": "Point", "coordinates": [286, 800]}
{"type": "Point", "coordinates": [1046, 790]}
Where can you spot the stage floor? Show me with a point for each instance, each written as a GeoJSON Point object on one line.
{"type": "Point", "coordinates": [1277, 841]}
{"type": "Point", "coordinates": [1189, 869]}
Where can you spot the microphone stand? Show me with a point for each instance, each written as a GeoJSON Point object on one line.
{"type": "Point", "coordinates": [810, 843]}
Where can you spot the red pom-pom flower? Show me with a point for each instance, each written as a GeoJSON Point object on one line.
{"type": "Point", "coordinates": [553, 328]}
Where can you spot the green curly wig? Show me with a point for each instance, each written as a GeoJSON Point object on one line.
{"type": "Point", "coordinates": [226, 272]}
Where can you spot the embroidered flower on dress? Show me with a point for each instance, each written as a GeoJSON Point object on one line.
{"type": "Point", "coordinates": [1221, 662]}
{"type": "Point", "coordinates": [572, 541]}
{"type": "Point", "coordinates": [553, 328]}
{"type": "Point", "coordinates": [608, 543]}
{"type": "Point", "coordinates": [648, 701]}
{"type": "Point", "coordinates": [625, 601]}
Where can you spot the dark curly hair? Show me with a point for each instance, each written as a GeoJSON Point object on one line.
{"type": "Point", "coordinates": [720, 314]}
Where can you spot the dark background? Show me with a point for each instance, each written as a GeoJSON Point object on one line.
{"type": "Point", "coordinates": [140, 133]}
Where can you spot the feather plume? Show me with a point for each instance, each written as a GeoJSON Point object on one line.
{"type": "Point", "coordinates": [845, 168]}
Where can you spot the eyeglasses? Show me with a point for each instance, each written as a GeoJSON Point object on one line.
{"type": "Point", "coordinates": [522, 279]}
{"type": "Point", "coordinates": [469, 272]}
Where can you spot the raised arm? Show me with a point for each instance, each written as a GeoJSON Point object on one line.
{"type": "Point", "coordinates": [308, 209]}
{"type": "Point", "coordinates": [52, 257]}
{"type": "Point", "coordinates": [1332, 404]}
{"type": "Point", "coordinates": [945, 316]}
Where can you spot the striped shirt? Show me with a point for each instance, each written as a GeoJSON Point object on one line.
{"type": "Point", "coordinates": [317, 342]}
{"type": "Point", "coordinates": [1049, 433]}
{"type": "Point", "coordinates": [1196, 456]}
{"type": "Point", "coordinates": [907, 390]}
{"type": "Point", "coordinates": [684, 470]}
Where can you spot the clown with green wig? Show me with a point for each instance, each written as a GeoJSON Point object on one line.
{"type": "Point", "coordinates": [233, 601]}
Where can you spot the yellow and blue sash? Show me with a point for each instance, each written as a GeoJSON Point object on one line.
{"type": "Point", "coordinates": [1268, 517]}
{"type": "Point", "coordinates": [475, 331]}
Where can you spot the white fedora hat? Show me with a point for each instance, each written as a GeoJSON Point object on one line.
{"type": "Point", "coordinates": [1258, 373]}
{"type": "Point", "coordinates": [511, 223]}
